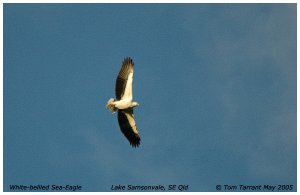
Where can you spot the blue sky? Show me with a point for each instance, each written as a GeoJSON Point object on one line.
{"type": "Point", "coordinates": [216, 85]}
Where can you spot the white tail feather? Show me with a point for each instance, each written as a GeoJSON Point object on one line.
{"type": "Point", "coordinates": [110, 105]}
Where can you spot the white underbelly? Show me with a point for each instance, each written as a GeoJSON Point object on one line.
{"type": "Point", "coordinates": [122, 104]}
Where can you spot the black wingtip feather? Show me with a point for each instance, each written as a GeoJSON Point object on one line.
{"type": "Point", "coordinates": [136, 142]}
{"type": "Point", "coordinates": [128, 60]}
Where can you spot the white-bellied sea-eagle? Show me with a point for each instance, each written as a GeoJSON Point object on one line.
{"type": "Point", "coordinates": [124, 104]}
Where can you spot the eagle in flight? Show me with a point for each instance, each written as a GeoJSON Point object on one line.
{"type": "Point", "coordinates": [124, 104]}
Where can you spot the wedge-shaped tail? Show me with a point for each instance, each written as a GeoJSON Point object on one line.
{"type": "Point", "coordinates": [111, 106]}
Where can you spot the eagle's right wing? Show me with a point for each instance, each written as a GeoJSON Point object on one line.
{"type": "Point", "coordinates": [124, 80]}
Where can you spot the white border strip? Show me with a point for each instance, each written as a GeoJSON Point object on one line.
{"type": "Point", "coordinates": [149, 1]}
{"type": "Point", "coordinates": [1, 96]}
{"type": "Point", "coordinates": [298, 148]}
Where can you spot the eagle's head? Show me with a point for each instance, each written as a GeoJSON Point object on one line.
{"type": "Point", "coordinates": [134, 104]}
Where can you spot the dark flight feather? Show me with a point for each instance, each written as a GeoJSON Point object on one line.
{"type": "Point", "coordinates": [128, 126]}
{"type": "Point", "coordinates": [126, 69]}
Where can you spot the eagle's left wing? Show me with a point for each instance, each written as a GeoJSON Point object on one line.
{"type": "Point", "coordinates": [128, 126]}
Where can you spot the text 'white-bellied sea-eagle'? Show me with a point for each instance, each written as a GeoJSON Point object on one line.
{"type": "Point", "coordinates": [124, 104]}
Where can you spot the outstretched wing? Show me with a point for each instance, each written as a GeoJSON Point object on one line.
{"type": "Point", "coordinates": [128, 126]}
{"type": "Point", "coordinates": [124, 80]}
